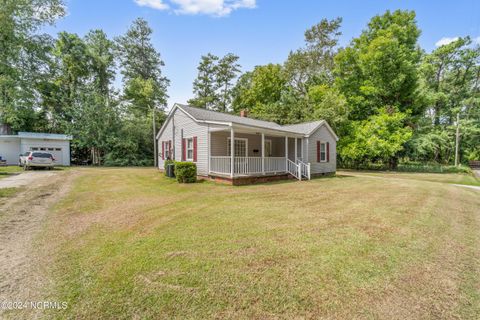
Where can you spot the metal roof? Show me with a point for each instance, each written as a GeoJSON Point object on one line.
{"type": "Point", "coordinates": [38, 135]}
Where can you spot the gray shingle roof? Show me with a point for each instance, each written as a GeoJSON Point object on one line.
{"type": "Point", "coordinates": [208, 115]}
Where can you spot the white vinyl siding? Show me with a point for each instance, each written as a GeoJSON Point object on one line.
{"type": "Point", "coordinates": [323, 135]}
{"type": "Point", "coordinates": [191, 129]}
{"type": "Point", "coordinates": [163, 140]}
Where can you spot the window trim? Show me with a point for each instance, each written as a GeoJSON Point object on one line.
{"type": "Point", "coordinates": [237, 139]}
{"type": "Point", "coordinates": [188, 149]}
{"type": "Point", "coordinates": [324, 151]}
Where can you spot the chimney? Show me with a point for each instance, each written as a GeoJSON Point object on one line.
{"type": "Point", "coordinates": [244, 113]}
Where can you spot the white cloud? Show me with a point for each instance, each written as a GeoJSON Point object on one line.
{"type": "Point", "coordinates": [217, 8]}
{"type": "Point", "coordinates": [445, 40]}
{"type": "Point", "coordinates": [154, 4]}
{"type": "Point", "coordinates": [476, 40]}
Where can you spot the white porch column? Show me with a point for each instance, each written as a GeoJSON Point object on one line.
{"type": "Point", "coordinates": [232, 151]}
{"type": "Point", "coordinates": [306, 152]}
{"type": "Point", "coordinates": [296, 153]}
{"type": "Point", "coordinates": [263, 153]}
{"type": "Point", "coordinates": [286, 147]}
{"type": "Point", "coordinates": [209, 149]}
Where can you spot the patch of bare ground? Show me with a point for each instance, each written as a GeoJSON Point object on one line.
{"type": "Point", "coordinates": [22, 219]}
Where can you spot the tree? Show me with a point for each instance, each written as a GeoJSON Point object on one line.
{"type": "Point", "coordinates": [380, 138]}
{"type": "Point", "coordinates": [314, 63]}
{"type": "Point", "coordinates": [380, 67]}
{"type": "Point", "coordinates": [145, 88]}
{"type": "Point", "coordinates": [205, 85]}
{"type": "Point", "coordinates": [227, 71]}
{"type": "Point", "coordinates": [22, 54]}
{"type": "Point", "coordinates": [260, 92]}
{"type": "Point", "coordinates": [330, 105]}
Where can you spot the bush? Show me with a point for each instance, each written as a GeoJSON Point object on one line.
{"type": "Point", "coordinates": [408, 167]}
{"type": "Point", "coordinates": [186, 172]}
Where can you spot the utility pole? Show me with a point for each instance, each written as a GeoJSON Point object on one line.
{"type": "Point", "coordinates": [155, 156]}
{"type": "Point", "coordinates": [457, 139]}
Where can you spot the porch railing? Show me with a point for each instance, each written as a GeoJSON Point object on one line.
{"type": "Point", "coordinates": [220, 164]}
{"type": "Point", "coordinates": [294, 169]}
{"type": "Point", "coordinates": [275, 164]}
{"type": "Point", "coordinates": [247, 165]}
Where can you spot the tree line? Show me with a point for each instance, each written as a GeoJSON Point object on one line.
{"type": "Point", "coordinates": [387, 98]}
{"type": "Point", "coordinates": [65, 84]}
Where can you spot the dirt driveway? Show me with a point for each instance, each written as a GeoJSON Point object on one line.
{"type": "Point", "coordinates": [22, 217]}
{"type": "Point", "coordinates": [22, 179]}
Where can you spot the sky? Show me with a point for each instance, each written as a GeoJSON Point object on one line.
{"type": "Point", "coordinates": [258, 31]}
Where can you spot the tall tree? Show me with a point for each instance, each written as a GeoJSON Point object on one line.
{"type": "Point", "coordinates": [314, 63]}
{"type": "Point", "coordinates": [140, 62]}
{"type": "Point", "coordinates": [145, 88]}
{"type": "Point", "coordinates": [21, 51]}
{"type": "Point", "coordinates": [205, 86]}
{"type": "Point", "coordinates": [228, 69]}
{"type": "Point", "coordinates": [379, 68]}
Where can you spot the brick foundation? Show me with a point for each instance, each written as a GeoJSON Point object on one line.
{"type": "Point", "coordinates": [240, 181]}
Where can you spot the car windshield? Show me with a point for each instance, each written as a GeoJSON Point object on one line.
{"type": "Point", "coordinates": [41, 155]}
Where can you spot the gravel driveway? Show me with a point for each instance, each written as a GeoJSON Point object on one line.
{"type": "Point", "coordinates": [25, 178]}
{"type": "Point", "coordinates": [22, 218]}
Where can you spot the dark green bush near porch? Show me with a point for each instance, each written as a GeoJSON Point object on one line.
{"type": "Point", "coordinates": [186, 172]}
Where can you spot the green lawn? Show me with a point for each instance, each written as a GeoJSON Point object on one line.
{"type": "Point", "coordinates": [130, 243]}
{"type": "Point", "coordinates": [6, 171]}
{"type": "Point", "coordinates": [455, 178]}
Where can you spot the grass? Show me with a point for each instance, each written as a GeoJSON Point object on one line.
{"type": "Point", "coordinates": [454, 178]}
{"type": "Point", "coordinates": [130, 243]}
{"type": "Point", "coordinates": [7, 192]}
{"type": "Point", "coordinates": [9, 170]}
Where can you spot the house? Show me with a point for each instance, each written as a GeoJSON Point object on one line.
{"type": "Point", "coordinates": [242, 150]}
{"type": "Point", "coordinates": [11, 146]}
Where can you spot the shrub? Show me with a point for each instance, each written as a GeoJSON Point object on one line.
{"type": "Point", "coordinates": [186, 172]}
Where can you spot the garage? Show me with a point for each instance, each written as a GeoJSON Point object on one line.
{"type": "Point", "coordinates": [11, 146]}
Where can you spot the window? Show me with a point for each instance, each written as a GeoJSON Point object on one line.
{"type": "Point", "coordinates": [167, 150]}
{"type": "Point", "coordinates": [50, 149]}
{"type": "Point", "coordinates": [58, 149]}
{"type": "Point", "coordinates": [323, 152]}
{"type": "Point", "coordinates": [43, 149]}
{"type": "Point", "coordinates": [240, 147]}
{"type": "Point", "coordinates": [189, 149]}
{"type": "Point", "coordinates": [33, 148]}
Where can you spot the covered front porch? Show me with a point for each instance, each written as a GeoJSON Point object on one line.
{"type": "Point", "coordinates": [242, 152]}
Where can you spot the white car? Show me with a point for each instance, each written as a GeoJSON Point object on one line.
{"type": "Point", "coordinates": [36, 159]}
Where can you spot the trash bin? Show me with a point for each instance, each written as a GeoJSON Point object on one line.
{"type": "Point", "coordinates": [171, 170]}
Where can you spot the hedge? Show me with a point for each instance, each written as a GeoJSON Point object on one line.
{"type": "Point", "coordinates": [186, 172]}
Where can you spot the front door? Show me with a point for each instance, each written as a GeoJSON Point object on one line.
{"type": "Point", "coordinates": [240, 147]}
{"type": "Point", "coordinates": [268, 148]}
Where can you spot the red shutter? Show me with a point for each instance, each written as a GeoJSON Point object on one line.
{"type": "Point", "coordinates": [163, 150]}
{"type": "Point", "coordinates": [194, 149]}
{"type": "Point", "coordinates": [170, 149]}
{"type": "Point", "coordinates": [318, 151]}
{"type": "Point", "coordinates": [184, 149]}
{"type": "Point", "coordinates": [328, 151]}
